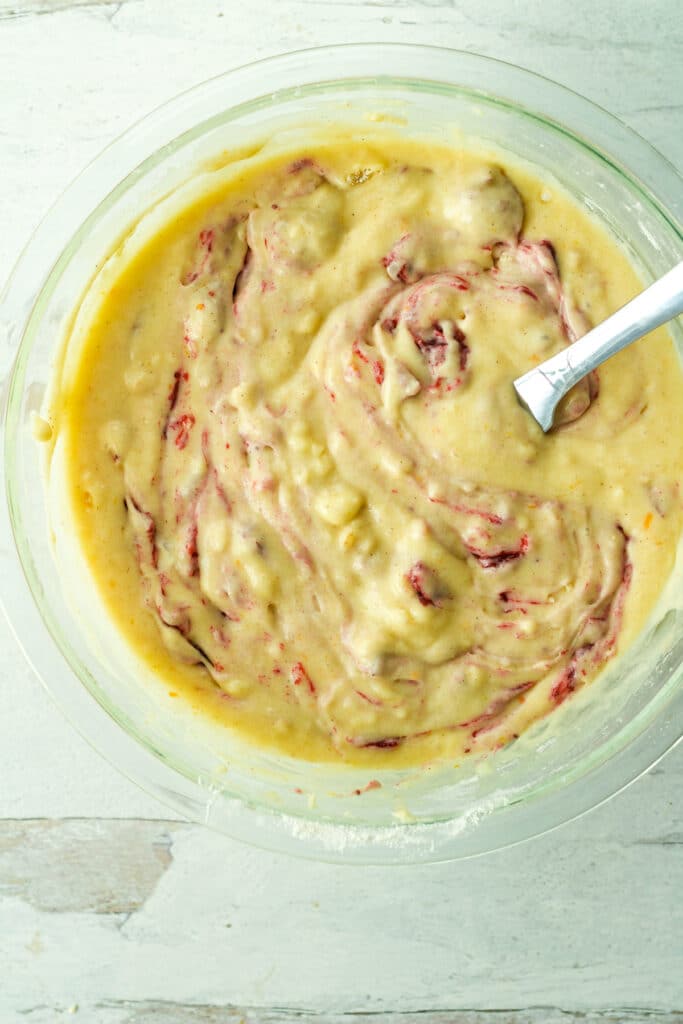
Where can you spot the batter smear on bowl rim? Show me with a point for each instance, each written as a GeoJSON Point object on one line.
{"type": "Point", "coordinates": [302, 481]}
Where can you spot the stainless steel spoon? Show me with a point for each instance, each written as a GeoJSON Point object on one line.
{"type": "Point", "coordinates": [540, 390]}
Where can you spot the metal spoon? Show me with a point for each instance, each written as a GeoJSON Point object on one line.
{"type": "Point", "coordinates": [540, 390]}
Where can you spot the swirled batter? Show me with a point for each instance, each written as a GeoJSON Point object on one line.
{"type": "Point", "coordinates": [301, 477]}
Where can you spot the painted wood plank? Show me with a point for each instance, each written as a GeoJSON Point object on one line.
{"type": "Point", "coordinates": [176, 1013]}
{"type": "Point", "coordinates": [82, 865]}
{"type": "Point", "coordinates": [10, 9]}
{"type": "Point", "coordinates": [116, 912]}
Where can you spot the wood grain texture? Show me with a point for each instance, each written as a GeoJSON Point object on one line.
{"type": "Point", "coordinates": [76, 866]}
{"type": "Point", "coordinates": [109, 918]}
{"type": "Point", "coordinates": [25, 8]}
{"type": "Point", "coordinates": [175, 1013]}
{"type": "Point", "coordinates": [105, 913]}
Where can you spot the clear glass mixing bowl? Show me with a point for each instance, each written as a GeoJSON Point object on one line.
{"type": "Point", "coordinates": [610, 732]}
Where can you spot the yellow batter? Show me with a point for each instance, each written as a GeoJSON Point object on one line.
{"type": "Point", "coordinates": [301, 477]}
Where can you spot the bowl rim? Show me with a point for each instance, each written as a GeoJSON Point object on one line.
{"type": "Point", "coordinates": [398, 843]}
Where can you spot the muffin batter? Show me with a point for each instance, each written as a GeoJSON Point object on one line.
{"type": "Point", "coordinates": [301, 477]}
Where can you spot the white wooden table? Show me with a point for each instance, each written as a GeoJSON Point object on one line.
{"type": "Point", "coordinates": [112, 913]}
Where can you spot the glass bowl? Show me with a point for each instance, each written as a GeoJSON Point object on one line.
{"type": "Point", "coordinates": [610, 732]}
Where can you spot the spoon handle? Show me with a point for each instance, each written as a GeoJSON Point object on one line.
{"type": "Point", "coordinates": [541, 389]}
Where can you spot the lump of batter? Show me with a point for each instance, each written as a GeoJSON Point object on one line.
{"type": "Point", "coordinates": [338, 519]}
